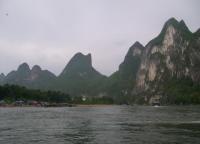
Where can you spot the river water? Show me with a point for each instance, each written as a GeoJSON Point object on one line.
{"type": "Point", "coordinates": [101, 125]}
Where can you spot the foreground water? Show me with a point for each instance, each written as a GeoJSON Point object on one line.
{"type": "Point", "coordinates": [101, 125]}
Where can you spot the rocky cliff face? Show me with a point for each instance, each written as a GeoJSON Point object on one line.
{"type": "Point", "coordinates": [132, 60]}
{"type": "Point", "coordinates": [174, 54]}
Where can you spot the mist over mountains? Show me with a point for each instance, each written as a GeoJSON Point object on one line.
{"type": "Point", "coordinates": [167, 68]}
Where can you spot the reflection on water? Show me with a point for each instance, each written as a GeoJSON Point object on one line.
{"type": "Point", "coordinates": [101, 125]}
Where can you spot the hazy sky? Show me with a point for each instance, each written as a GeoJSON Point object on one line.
{"type": "Point", "coordinates": [50, 32]}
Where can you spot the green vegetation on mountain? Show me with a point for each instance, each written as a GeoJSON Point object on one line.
{"type": "Point", "coordinates": [120, 84]}
{"type": "Point", "coordinates": [181, 91]}
{"type": "Point", "coordinates": [34, 78]}
{"type": "Point", "coordinates": [79, 77]}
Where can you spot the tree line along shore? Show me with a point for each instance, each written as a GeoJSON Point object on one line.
{"type": "Point", "coordinates": [13, 95]}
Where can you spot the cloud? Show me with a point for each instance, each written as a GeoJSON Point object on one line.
{"type": "Point", "coordinates": [49, 32]}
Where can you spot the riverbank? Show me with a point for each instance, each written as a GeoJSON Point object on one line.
{"type": "Point", "coordinates": [35, 104]}
{"type": "Point", "coordinates": [59, 105]}
{"type": "Point", "coordinates": [94, 105]}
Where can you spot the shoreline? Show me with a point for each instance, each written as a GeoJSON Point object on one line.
{"type": "Point", "coordinates": [80, 105]}
{"type": "Point", "coordinates": [53, 106]}
{"type": "Point", "coordinates": [94, 105]}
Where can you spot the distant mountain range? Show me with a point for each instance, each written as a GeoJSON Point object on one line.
{"type": "Point", "coordinates": [167, 68]}
{"type": "Point", "coordinates": [32, 78]}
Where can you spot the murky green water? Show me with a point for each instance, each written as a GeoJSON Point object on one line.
{"type": "Point", "coordinates": [101, 125]}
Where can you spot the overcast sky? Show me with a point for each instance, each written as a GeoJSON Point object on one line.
{"type": "Point", "coordinates": [50, 32]}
